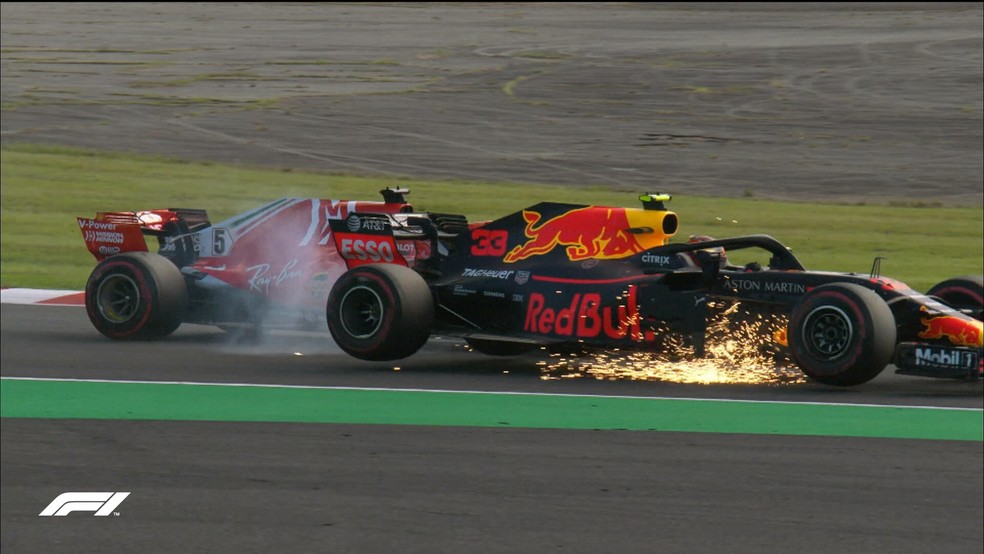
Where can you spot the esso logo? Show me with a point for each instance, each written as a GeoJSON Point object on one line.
{"type": "Point", "coordinates": [358, 249]}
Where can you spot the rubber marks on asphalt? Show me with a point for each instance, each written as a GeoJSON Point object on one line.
{"type": "Point", "coordinates": [41, 296]}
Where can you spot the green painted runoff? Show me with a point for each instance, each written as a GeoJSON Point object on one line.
{"type": "Point", "coordinates": [64, 399]}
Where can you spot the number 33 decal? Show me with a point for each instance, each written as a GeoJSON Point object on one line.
{"type": "Point", "coordinates": [489, 242]}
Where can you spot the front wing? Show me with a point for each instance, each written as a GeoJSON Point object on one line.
{"type": "Point", "coordinates": [934, 360]}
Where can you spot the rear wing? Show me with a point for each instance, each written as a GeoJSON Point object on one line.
{"type": "Point", "coordinates": [112, 233]}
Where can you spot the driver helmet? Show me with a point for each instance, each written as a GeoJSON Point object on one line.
{"type": "Point", "coordinates": [695, 255]}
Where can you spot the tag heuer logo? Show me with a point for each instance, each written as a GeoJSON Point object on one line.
{"type": "Point", "coordinates": [522, 277]}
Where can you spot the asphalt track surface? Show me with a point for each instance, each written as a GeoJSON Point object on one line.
{"type": "Point", "coordinates": [203, 486]}
{"type": "Point", "coordinates": [808, 101]}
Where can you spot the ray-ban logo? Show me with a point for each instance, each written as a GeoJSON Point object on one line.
{"type": "Point", "coordinates": [103, 503]}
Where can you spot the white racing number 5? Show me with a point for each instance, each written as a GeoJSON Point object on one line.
{"type": "Point", "coordinates": [220, 241]}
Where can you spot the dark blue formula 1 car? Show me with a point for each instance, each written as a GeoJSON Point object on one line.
{"type": "Point", "coordinates": [387, 277]}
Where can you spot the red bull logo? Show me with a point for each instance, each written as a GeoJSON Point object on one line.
{"type": "Point", "coordinates": [588, 233]}
{"type": "Point", "coordinates": [586, 316]}
{"type": "Point", "coordinates": [959, 331]}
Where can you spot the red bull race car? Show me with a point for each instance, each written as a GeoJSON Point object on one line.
{"type": "Point", "coordinates": [386, 277]}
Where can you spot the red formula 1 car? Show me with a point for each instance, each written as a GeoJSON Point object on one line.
{"type": "Point", "coordinates": [554, 274]}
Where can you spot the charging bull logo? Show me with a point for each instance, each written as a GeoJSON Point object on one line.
{"type": "Point", "coordinates": [960, 332]}
{"type": "Point", "coordinates": [588, 233]}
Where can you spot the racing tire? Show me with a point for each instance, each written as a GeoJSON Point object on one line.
{"type": "Point", "coordinates": [380, 312]}
{"type": "Point", "coordinates": [136, 296]}
{"type": "Point", "coordinates": [500, 347]}
{"type": "Point", "coordinates": [841, 334]}
{"type": "Point", "coordinates": [964, 293]}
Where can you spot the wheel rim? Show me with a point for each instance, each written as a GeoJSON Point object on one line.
{"type": "Point", "coordinates": [118, 298]}
{"type": "Point", "coordinates": [361, 312]}
{"type": "Point", "coordinates": [827, 332]}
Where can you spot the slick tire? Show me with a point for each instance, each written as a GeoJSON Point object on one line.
{"type": "Point", "coordinates": [136, 296]}
{"type": "Point", "coordinates": [380, 312]}
{"type": "Point", "coordinates": [965, 293]}
{"type": "Point", "coordinates": [841, 334]}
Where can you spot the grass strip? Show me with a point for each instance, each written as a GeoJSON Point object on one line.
{"type": "Point", "coordinates": [45, 188]}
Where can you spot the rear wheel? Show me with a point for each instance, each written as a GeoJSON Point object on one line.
{"type": "Point", "coordinates": [380, 312]}
{"type": "Point", "coordinates": [842, 334]}
{"type": "Point", "coordinates": [136, 295]}
{"type": "Point", "coordinates": [965, 293]}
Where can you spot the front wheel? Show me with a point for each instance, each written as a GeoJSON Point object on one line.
{"type": "Point", "coordinates": [380, 312]}
{"type": "Point", "coordinates": [965, 293]}
{"type": "Point", "coordinates": [136, 295]}
{"type": "Point", "coordinates": [842, 334]}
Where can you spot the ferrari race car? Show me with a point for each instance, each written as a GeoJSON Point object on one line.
{"type": "Point", "coordinates": [553, 275]}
